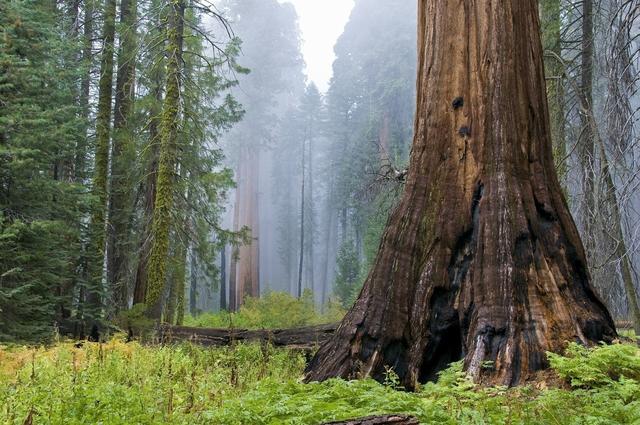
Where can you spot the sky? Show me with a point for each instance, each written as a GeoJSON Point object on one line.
{"type": "Point", "coordinates": [321, 23]}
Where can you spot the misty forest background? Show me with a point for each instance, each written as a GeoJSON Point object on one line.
{"type": "Point", "coordinates": [162, 159]}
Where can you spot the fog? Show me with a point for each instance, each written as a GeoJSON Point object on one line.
{"type": "Point", "coordinates": [321, 23]}
{"type": "Point", "coordinates": [328, 105]}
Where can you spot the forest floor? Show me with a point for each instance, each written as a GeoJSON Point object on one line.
{"type": "Point", "coordinates": [129, 383]}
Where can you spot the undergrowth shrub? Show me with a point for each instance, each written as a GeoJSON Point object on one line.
{"type": "Point", "coordinates": [273, 310]}
{"type": "Point", "coordinates": [119, 383]}
{"type": "Point", "coordinates": [588, 368]}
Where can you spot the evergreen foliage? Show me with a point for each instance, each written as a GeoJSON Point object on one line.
{"type": "Point", "coordinates": [370, 106]}
{"type": "Point", "coordinates": [40, 205]}
{"type": "Point", "coordinates": [54, 216]}
{"type": "Point", "coordinates": [348, 281]}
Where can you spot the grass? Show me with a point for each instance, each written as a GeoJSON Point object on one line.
{"type": "Point", "coordinates": [127, 383]}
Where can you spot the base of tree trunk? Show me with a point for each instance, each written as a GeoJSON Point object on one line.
{"type": "Point", "coordinates": [481, 260]}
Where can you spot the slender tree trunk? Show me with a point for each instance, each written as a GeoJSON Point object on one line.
{"type": "Point", "coordinates": [180, 308]}
{"type": "Point", "coordinates": [481, 260]}
{"type": "Point", "coordinates": [85, 86]}
{"type": "Point", "coordinates": [554, 69]}
{"type": "Point", "coordinates": [223, 279]}
{"type": "Point", "coordinates": [82, 143]}
{"type": "Point", "coordinates": [193, 285]}
{"type": "Point", "coordinates": [310, 220]}
{"type": "Point", "coordinates": [301, 258]}
{"type": "Point", "coordinates": [73, 12]}
{"type": "Point", "coordinates": [587, 142]}
{"type": "Point", "coordinates": [101, 168]}
{"type": "Point", "coordinates": [329, 263]}
{"type": "Point", "coordinates": [122, 159]}
{"type": "Point", "coordinates": [331, 234]}
{"type": "Point", "coordinates": [618, 241]}
{"type": "Point", "coordinates": [343, 226]}
{"type": "Point", "coordinates": [622, 82]}
{"type": "Point", "coordinates": [233, 270]}
{"type": "Point", "coordinates": [178, 274]}
{"type": "Point", "coordinates": [69, 20]}
{"type": "Point", "coordinates": [161, 226]}
{"type": "Point", "coordinates": [248, 261]}
{"type": "Point", "coordinates": [103, 118]}
{"type": "Point", "coordinates": [140, 284]}
{"type": "Point", "coordinates": [253, 286]}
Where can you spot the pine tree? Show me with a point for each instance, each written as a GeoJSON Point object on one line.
{"type": "Point", "coordinates": [154, 75]}
{"type": "Point", "coordinates": [123, 152]}
{"type": "Point", "coordinates": [347, 274]}
{"type": "Point", "coordinates": [170, 123]}
{"type": "Point", "coordinates": [97, 292]}
{"type": "Point", "coordinates": [191, 184]}
{"type": "Point", "coordinates": [39, 203]}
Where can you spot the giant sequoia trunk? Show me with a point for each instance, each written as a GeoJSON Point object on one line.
{"type": "Point", "coordinates": [481, 260]}
{"type": "Point", "coordinates": [247, 277]}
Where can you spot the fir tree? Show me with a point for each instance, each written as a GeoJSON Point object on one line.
{"type": "Point", "coordinates": [39, 203]}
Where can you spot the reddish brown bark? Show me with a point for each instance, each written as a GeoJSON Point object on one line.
{"type": "Point", "coordinates": [481, 260]}
{"type": "Point", "coordinates": [233, 267]}
{"type": "Point", "coordinates": [247, 279]}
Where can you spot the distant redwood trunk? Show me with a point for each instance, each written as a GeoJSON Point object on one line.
{"type": "Point", "coordinates": [247, 279]}
{"type": "Point", "coordinates": [481, 260]}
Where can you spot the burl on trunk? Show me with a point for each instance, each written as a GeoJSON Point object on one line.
{"type": "Point", "coordinates": [481, 260]}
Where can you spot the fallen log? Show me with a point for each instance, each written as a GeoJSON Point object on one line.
{"type": "Point", "coordinates": [308, 337]}
{"type": "Point", "coordinates": [303, 338]}
{"type": "Point", "coordinates": [379, 420]}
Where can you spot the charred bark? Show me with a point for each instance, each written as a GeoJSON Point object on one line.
{"type": "Point", "coordinates": [481, 260]}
